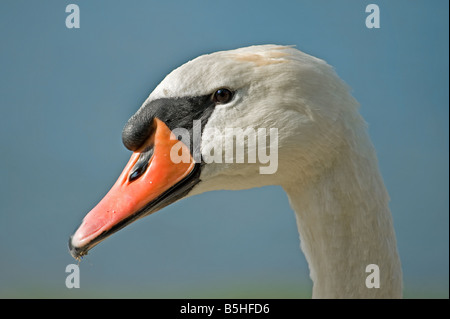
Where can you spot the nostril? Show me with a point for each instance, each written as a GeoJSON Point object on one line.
{"type": "Point", "coordinates": [138, 171]}
{"type": "Point", "coordinates": [141, 165]}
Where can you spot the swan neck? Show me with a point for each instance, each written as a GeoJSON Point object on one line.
{"type": "Point", "coordinates": [345, 226]}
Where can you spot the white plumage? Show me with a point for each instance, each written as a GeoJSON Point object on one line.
{"type": "Point", "coordinates": [327, 164]}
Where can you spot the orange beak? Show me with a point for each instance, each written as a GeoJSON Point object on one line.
{"type": "Point", "coordinates": [149, 182]}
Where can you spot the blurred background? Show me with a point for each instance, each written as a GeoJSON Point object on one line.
{"type": "Point", "coordinates": [65, 95]}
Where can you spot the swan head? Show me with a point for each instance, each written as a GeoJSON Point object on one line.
{"type": "Point", "coordinates": [255, 116]}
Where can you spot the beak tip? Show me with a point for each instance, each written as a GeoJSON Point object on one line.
{"type": "Point", "coordinates": [156, 181]}
{"type": "Point", "coordinates": [76, 252]}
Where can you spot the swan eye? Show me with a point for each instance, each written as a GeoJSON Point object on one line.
{"type": "Point", "coordinates": [222, 96]}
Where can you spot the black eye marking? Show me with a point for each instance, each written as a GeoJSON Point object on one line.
{"type": "Point", "coordinates": [222, 96]}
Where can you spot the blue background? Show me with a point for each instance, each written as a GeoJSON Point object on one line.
{"type": "Point", "coordinates": [65, 95]}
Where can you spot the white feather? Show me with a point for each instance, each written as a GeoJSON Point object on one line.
{"type": "Point", "coordinates": [326, 162]}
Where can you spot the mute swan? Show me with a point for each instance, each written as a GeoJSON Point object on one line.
{"type": "Point", "coordinates": [325, 161]}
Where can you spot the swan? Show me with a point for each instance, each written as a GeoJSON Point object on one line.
{"type": "Point", "coordinates": [325, 161]}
